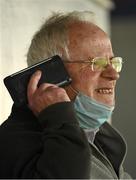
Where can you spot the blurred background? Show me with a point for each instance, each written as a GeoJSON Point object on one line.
{"type": "Point", "coordinates": [19, 19]}
{"type": "Point", "coordinates": [123, 35]}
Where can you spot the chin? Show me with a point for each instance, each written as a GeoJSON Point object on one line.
{"type": "Point", "coordinates": [106, 101]}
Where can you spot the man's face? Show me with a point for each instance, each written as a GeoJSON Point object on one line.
{"type": "Point", "coordinates": [86, 40]}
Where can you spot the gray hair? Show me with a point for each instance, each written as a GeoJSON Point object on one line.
{"type": "Point", "coordinates": [52, 38]}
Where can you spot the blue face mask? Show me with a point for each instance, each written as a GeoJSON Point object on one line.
{"type": "Point", "coordinates": [91, 114]}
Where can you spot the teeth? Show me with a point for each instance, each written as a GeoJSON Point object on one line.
{"type": "Point", "coordinates": [104, 91]}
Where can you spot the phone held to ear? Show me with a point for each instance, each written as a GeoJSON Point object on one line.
{"type": "Point", "coordinates": [53, 71]}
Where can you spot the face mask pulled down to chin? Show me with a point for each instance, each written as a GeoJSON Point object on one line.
{"type": "Point", "coordinates": [91, 114]}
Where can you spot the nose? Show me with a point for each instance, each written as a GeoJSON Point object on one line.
{"type": "Point", "coordinates": [110, 73]}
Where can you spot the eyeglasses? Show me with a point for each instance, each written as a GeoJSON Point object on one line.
{"type": "Point", "coordinates": [100, 63]}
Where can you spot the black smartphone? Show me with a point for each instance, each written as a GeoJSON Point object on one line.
{"type": "Point", "coordinates": [53, 71]}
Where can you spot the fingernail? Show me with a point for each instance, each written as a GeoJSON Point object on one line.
{"type": "Point", "coordinates": [38, 72]}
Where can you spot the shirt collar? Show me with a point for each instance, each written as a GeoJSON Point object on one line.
{"type": "Point", "coordinates": [91, 134]}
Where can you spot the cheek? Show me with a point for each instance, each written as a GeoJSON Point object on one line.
{"type": "Point", "coordinates": [83, 79]}
{"type": "Point", "coordinates": [87, 80]}
{"type": "Point", "coordinates": [87, 75]}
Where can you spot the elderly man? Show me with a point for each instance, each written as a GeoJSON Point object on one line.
{"type": "Point", "coordinates": [63, 133]}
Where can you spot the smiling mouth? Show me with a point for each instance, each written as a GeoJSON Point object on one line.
{"type": "Point", "coordinates": [105, 90]}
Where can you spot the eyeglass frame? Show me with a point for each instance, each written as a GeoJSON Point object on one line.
{"type": "Point", "coordinates": [92, 61]}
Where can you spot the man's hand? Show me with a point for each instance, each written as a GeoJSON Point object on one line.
{"type": "Point", "coordinates": [47, 94]}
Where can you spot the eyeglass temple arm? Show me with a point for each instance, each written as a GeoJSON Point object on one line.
{"type": "Point", "coordinates": [76, 61]}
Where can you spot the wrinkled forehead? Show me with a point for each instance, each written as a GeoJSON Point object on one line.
{"type": "Point", "coordinates": [89, 37]}
{"type": "Point", "coordinates": [84, 29]}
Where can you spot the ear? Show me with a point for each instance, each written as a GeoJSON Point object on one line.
{"type": "Point", "coordinates": [71, 93]}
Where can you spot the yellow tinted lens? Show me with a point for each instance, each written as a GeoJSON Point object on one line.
{"type": "Point", "coordinates": [99, 64]}
{"type": "Point", "coordinates": [117, 63]}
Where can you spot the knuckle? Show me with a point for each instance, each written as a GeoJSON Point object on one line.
{"type": "Point", "coordinates": [46, 86]}
{"type": "Point", "coordinates": [43, 86]}
{"type": "Point", "coordinates": [61, 90]}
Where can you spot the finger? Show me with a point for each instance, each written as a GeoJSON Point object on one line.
{"type": "Point", "coordinates": [45, 86]}
{"type": "Point", "coordinates": [32, 85]}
